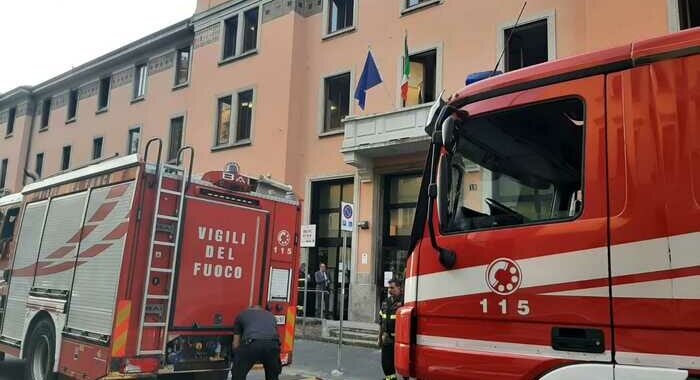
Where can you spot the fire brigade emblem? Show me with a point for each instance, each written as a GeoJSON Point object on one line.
{"type": "Point", "coordinates": [283, 238]}
{"type": "Point", "coordinates": [503, 276]}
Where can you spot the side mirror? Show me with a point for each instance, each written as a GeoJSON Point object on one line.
{"type": "Point", "coordinates": [433, 114]}
{"type": "Point", "coordinates": [448, 133]}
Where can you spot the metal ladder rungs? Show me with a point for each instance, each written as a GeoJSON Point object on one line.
{"type": "Point", "coordinates": [154, 324]}
{"type": "Point", "coordinates": [167, 217]}
{"type": "Point", "coordinates": [171, 192]}
{"type": "Point", "coordinates": [162, 270]}
{"type": "Point", "coordinates": [157, 297]}
{"type": "Point", "coordinates": [150, 352]}
{"type": "Point", "coordinates": [164, 243]}
{"type": "Point", "coordinates": [173, 167]}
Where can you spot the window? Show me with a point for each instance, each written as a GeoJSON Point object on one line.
{"type": "Point", "coordinates": [39, 164]}
{"type": "Point", "coordinates": [10, 121]}
{"type": "Point", "coordinates": [134, 141]}
{"type": "Point", "coordinates": [182, 66]}
{"type": "Point", "coordinates": [65, 158]}
{"type": "Point", "coordinates": [689, 13]}
{"type": "Point", "coordinates": [336, 101]}
{"type": "Point", "coordinates": [413, 3]}
{"type": "Point", "coordinates": [228, 133]}
{"type": "Point", "coordinates": [176, 126]}
{"type": "Point", "coordinates": [245, 115]}
{"type": "Point", "coordinates": [241, 34]}
{"type": "Point", "coordinates": [3, 173]}
{"type": "Point", "coordinates": [7, 228]}
{"type": "Point", "coordinates": [530, 171]}
{"type": "Point", "coordinates": [72, 105]}
{"type": "Point", "coordinates": [97, 148]}
{"type": "Point", "coordinates": [230, 36]}
{"type": "Point", "coordinates": [45, 113]}
{"type": "Point", "coordinates": [250, 32]}
{"type": "Point", "coordinates": [140, 78]}
{"type": "Point", "coordinates": [103, 97]}
{"type": "Point", "coordinates": [421, 79]}
{"type": "Point", "coordinates": [340, 15]}
{"type": "Point", "coordinates": [223, 126]}
{"type": "Point", "coordinates": [526, 45]}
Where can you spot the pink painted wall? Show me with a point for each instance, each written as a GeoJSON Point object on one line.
{"type": "Point", "coordinates": [13, 149]}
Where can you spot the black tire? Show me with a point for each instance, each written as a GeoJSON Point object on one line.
{"type": "Point", "coordinates": [218, 375]}
{"type": "Point", "coordinates": [214, 375]}
{"type": "Point", "coordinates": [40, 351]}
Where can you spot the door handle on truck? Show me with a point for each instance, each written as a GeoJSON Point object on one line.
{"type": "Point", "coordinates": [578, 340]}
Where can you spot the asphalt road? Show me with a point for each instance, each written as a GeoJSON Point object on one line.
{"type": "Point", "coordinates": [311, 359]}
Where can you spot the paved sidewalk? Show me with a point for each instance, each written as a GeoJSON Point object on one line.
{"type": "Point", "coordinates": [313, 358]}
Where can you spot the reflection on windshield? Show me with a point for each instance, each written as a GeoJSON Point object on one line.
{"type": "Point", "coordinates": [516, 167]}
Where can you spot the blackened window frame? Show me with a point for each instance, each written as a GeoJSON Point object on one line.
{"type": "Point", "coordinates": [66, 157]}
{"type": "Point", "coordinates": [97, 147]}
{"type": "Point", "coordinates": [45, 113]}
{"type": "Point", "coordinates": [688, 14]}
{"type": "Point", "coordinates": [72, 111]}
{"type": "Point", "coordinates": [524, 27]}
{"type": "Point", "coordinates": [4, 163]}
{"type": "Point", "coordinates": [11, 116]}
{"type": "Point", "coordinates": [103, 94]}
{"type": "Point", "coordinates": [39, 164]}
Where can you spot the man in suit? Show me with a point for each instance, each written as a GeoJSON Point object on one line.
{"type": "Point", "coordinates": [322, 282]}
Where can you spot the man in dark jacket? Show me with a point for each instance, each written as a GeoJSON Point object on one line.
{"type": "Point", "coordinates": [255, 340]}
{"type": "Point", "coordinates": [387, 315]}
{"type": "Point", "coordinates": [322, 284]}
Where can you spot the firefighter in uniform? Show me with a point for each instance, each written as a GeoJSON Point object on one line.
{"type": "Point", "coordinates": [387, 315]}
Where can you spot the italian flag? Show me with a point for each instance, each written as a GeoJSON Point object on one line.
{"type": "Point", "coordinates": [406, 70]}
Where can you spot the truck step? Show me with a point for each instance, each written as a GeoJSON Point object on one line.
{"type": "Point", "coordinates": [164, 243]}
{"type": "Point", "coordinates": [162, 270]}
{"type": "Point", "coordinates": [168, 217]}
{"type": "Point", "coordinates": [157, 297]}
{"type": "Point", "coordinates": [154, 324]}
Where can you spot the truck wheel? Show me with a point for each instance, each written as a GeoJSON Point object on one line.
{"type": "Point", "coordinates": [220, 375]}
{"type": "Point", "coordinates": [40, 352]}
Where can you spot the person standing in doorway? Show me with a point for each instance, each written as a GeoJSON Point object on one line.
{"type": "Point", "coordinates": [322, 283]}
{"type": "Point", "coordinates": [255, 340]}
{"type": "Point", "coordinates": [387, 315]}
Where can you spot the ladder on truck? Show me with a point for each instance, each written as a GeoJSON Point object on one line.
{"type": "Point", "coordinates": [161, 303]}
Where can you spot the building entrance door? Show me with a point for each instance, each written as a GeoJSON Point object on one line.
{"type": "Point", "coordinates": [325, 213]}
{"type": "Point", "coordinates": [400, 198]}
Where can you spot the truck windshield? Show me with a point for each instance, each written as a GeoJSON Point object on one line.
{"type": "Point", "coordinates": [515, 167]}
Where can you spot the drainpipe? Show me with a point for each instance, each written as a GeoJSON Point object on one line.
{"type": "Point", "coordinates": [27, 173]}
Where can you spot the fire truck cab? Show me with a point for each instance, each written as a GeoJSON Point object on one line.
{"type": "Point", "coordinates": [135, 269]}
{"type": "Point", "coordinates": [558, 225]}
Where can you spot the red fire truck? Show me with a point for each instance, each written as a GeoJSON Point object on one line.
{"type": "Point", "coordinates": [130, 269]}
{"type": "Point", "coordinates": [558, 226]}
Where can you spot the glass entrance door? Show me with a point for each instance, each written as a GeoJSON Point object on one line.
{"type": "Point", "coordinates": [400, 198]}
{"type": "Point", "coordinates": [325, 213]}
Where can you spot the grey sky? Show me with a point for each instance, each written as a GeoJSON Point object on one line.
{"type": "Point", "coordinates": [44, 38]}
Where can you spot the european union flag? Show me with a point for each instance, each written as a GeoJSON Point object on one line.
{"type": "Point", "coordinates": [370, 77]}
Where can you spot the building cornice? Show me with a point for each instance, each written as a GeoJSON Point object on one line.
{"type": "Point", "coordinates": [171, 32]}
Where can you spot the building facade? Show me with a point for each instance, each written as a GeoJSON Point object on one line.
{"type": "Point", "coordinates": [270, 84]}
